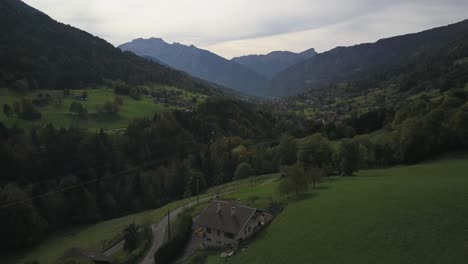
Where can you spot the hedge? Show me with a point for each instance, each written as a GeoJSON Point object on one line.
{"type": "Point", "coordinates": [171, 250]}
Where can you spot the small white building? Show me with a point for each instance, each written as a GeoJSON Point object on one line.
{"type": "Point", "coordinates": [224, 224]}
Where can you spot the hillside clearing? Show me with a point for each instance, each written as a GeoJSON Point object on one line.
{"type": "Point", "coordinates": [59, 115]}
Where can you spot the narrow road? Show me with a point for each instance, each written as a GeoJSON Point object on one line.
{"type": "Point", "coordinates": [159, 228]}
{"type": "Point", "coordinates": [114, 249]}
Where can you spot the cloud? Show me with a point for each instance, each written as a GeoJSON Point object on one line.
{"type": "Point", "coordinates": [236, 27]}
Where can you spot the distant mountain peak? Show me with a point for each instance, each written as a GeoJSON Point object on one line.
{"type": "Point", "coordinates": [200, 63]}
{"type": "Point", "coordinates": [274, 62]}
{"type": "Point", "coordinates": [354, 62]}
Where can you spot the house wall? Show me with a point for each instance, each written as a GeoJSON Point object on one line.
{"type": "Point", "coordinates": [252, 227]}
{"type": "Point", "coordinates": [217, 239]}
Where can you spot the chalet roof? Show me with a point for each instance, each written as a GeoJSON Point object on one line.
{"type": "Point", "coordinates": [224, 220]}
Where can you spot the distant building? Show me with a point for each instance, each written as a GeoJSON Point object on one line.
{"type": "Point", "coordinates": [224, 225]}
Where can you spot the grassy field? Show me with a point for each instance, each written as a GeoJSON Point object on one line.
{"type": "Point", "coordinates": [92, 236]}
{"type": "Point", "coordinates": [59, 115]}
{"type": "Point", "coordinates": [410, 214]}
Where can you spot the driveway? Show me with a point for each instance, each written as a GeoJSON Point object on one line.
{"type": "Point", "coordinates": [159, 228]}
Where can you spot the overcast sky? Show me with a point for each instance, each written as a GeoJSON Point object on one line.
{"type": "Point", "coordinates": [240, 27]}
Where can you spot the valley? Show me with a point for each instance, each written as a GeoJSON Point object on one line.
{"type": "Point", "coordinates": [161, 152]}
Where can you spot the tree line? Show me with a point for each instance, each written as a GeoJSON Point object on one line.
{"type": "Point", "coordinates": [62, 177]}
{"type": "Point", "coordinates": [423, 128]}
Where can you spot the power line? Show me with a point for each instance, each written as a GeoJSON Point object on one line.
{"type": "Point", "coordinates": [97, 179]}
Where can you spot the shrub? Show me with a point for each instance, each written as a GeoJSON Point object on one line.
{"type": "Point", "coordinates": [169, 251]}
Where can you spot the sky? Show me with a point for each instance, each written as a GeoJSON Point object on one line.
{"type": "Point", "coordinates": [240, 27]}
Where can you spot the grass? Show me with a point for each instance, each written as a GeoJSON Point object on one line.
{"type": "Point", "coordinates": [60, 116]}
{"type": "Point", "coordinates": [408, 214]}
{"type": "Point", "coordinates": [93, 236]}
{"type": "Point", "coordinates": [88, 236]}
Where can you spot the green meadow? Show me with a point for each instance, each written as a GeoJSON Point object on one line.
{"type": "Point", "coordinates": [59, 115]}
{"type": "Point", "coordinates": [407, 214]}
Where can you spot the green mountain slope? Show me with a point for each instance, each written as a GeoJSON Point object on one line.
{"type": "Point", "coordinates": [350, 63]}
{"type": "Point", "coordinates": [38, 52]}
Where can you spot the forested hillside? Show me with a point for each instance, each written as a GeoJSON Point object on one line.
{"type": "Point", "coordinates": [360, 61]}
{"type": "Point", "coordinates": [39, 53]}
{"type": "Point", "coordinates": [89, 177]}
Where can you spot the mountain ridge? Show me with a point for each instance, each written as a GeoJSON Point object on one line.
{"type": "Point", "coordinates": [345, 63]}
{"type": "Point", "coordinates": [200, 63]}
{"type": "Point", "coordinates": [274, 62]}
{"type": "Point", "coordinates": [53, 55]}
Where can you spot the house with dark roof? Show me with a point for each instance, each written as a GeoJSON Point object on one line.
{"type": "Point", "coordinates": [224, 224]}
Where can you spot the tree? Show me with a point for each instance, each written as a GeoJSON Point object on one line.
{"type": "Point", "coordinates": [460, 125]}
{"type": "Point", "coordinates": [239, 153]}
{"type": "Point", "coordinates": [78, 108]}
{"type": "Point", "coordinates": [20, 224]}
{"type": "Point", "coordinates": [28, 111]}
{"type": "Point", "coordinates": [285, 186]}
{"type": "Point", "coordinates": [108, 108]}
{"type": "Point", "coordinates": [348, 154]}
{"type": "Point", "coordinates": [288, 150]}
{"type": "Point", "coordinates": [314, 174]}
{"type": "Point", "coordinates": [295, 180]}
{"type": "Point", "coordinates": [119, 100]}
{"type": "Point", "coordinates": [16, 108]}
{"type": "Point", "coordinates": [7, 110]}
{"type": "Point", "coordinates": [315, 152]}
{"type": "Point", "coordinates": [243, 171]}
{"type": "Point", "coordinates": [413, 141]}
{"type": "Point", "coordinates": [131, 238]}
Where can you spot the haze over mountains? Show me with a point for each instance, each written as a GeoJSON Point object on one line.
{"type": "Point", "coordinates": [274, 62]}
{"type": "Point", "coordinates": [200, 63]}
{"type": "Point", "coordinates": [284, 73]}
{"type": "Point", "coordinates": [53, 55]}
{"type": "Point", "coordinates": [350, 63]}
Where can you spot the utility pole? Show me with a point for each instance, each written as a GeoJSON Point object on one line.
{"type": "Point", "coordinates": [198, 197]}
{"type": "Point", "coordinates": [168, 224]}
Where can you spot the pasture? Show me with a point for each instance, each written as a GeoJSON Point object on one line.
{"type": "Point", "coordinates": [406, 214]}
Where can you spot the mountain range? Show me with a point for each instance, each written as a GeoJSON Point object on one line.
{"type": "Point", "coordinates": [283, 73]}
{"type": "Point", "coordinates": [351, 63]}
{"type": "Point", "coordinates": [274, 62]}
{"type": "Point", "coordinates": [200, 63]}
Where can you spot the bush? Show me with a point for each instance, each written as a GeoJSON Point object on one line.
{"type": "Point", "coordinates": [28, 111]}
{"type": "Point", "coordinates": [243, 171]}
{"type": "Point", "coordinates": [169, 251]}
